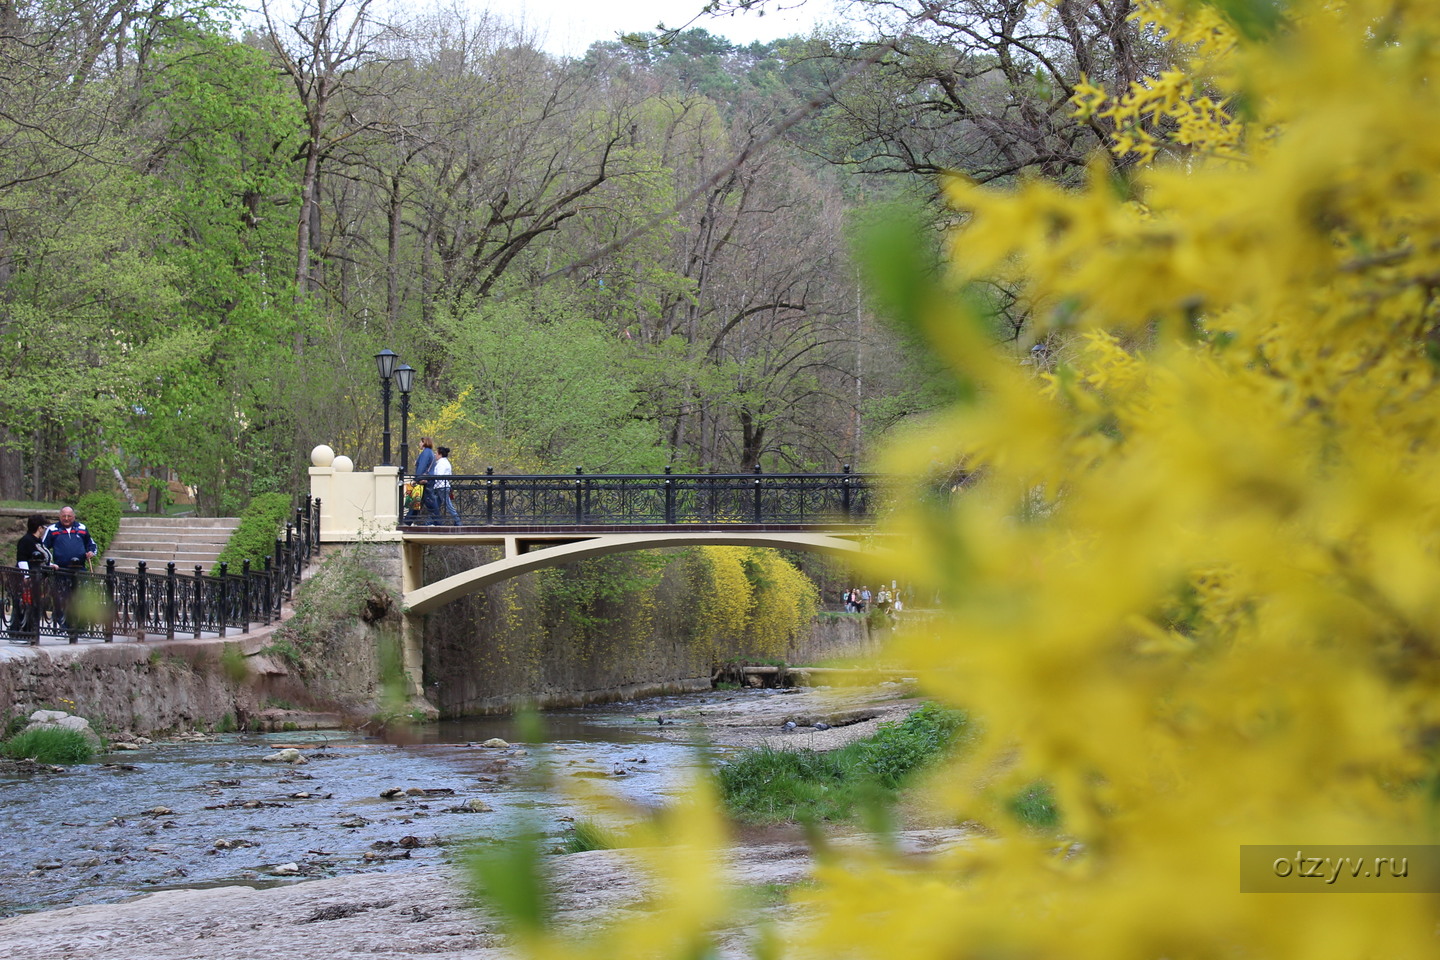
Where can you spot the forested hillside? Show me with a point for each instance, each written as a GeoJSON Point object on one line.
{"type": "Point", "coordinates": [211, 219]}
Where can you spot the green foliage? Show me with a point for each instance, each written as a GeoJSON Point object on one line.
{"type": "Point", "coordinates": [394, 683]}
{"type": "Point", "coordinates": [769, 785]}
{"type": "Point", "coordinates": [898, 749]}
{"type": "Point", "coordinates": [100, 512]}
{"type": "Point", "coordinates": [232, 662]}
{"type": "Point", "coordinates": [508, 878]}
{"type": "Point", "coordinates": [52, 745]}
{"type": "Point", "coordinates": [1035, 806]}
{"type": "Point", "coordinates": [585, 835]}
{"type": "Point", "coordinates": [592, 594]}
{"type": "Point", "coordinates": [551, 391]}
{"type": "Point", "coordinates": [260, 524]}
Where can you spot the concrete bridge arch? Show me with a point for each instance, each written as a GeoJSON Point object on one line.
{"type": "Point", "coordinates": [419, 600]}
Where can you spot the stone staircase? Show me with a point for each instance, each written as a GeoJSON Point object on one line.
{"type": "Point", "coordinates": [185, 541]}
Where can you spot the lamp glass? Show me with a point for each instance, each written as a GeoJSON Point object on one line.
{"type": "Point", "coordinates": [405, 377]}
{"type": "Point", "coordinates": [385, 362]}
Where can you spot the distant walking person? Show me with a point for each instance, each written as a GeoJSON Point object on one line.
{"type": "Point", "coordinates": [71, 547]}
{"type": "Point", "coordinates": [30, 555]}
{"type": "Point", "coordinates": [443, 473]}
{"type": "Point", "coordinates": [424, 468]}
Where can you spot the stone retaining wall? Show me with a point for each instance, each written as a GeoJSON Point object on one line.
{"type": "Point", "coordinates": [490, 653]}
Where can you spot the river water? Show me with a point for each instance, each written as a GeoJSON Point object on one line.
{"type": "Point", "coordinates": [190, 814]}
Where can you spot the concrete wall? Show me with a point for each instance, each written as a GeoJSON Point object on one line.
{"type": "Point", "coordinates": [509, 645]}
{"type": "Point", "coordinates": [131, 687]}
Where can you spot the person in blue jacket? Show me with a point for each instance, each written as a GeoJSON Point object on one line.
{"type": "Point", "coordinates": [71, 547]}
{"type": "Point", "coordinates": [424, 470]}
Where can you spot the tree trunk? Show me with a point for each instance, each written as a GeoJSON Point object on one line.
{"type": "Point", "coordinates": [12, 469]}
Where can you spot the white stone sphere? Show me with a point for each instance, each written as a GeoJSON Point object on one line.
{"type": "Point", "coordinates": [322, 456]}
{"type": "Point", "coordinates": [343, 464]}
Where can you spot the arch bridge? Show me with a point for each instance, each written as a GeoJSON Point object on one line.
{"type": "Point", "coordinates": [541, 521]}
{"type": "Point", "coordinates": [545, 521]}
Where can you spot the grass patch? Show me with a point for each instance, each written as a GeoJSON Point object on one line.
{"type": "Point", "coordinates": [776, 786]}
{"type": "Point", "coordinates": [50, 746]}
{"type": "Point", "coordinates": [1035, 807]}
{"type": "Point", "coordinates": [587, 835]}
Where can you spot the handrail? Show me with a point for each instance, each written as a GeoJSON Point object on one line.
{"type": "Point", "coordinates": [632, 499]}
{"type": "Point", "coordinates": [78, 605]}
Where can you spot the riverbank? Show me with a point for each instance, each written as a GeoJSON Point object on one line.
{"type": "Point", "coordinates": [420, 913]}
{"type": "Point", "coordinates": [425, 911]}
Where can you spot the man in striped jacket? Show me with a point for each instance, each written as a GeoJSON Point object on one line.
{"type": "Point", "coordinates": [70, 546]}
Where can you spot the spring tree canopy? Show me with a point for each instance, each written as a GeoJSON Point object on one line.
{"type": "Point", "coordinates": [1194, 585]}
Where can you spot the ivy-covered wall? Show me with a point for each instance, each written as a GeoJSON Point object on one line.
{"type": "Point", "coordinates": [613, 627]}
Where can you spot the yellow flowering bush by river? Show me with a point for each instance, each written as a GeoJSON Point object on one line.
{"type": "Point", "coordinates": [1195, 585]}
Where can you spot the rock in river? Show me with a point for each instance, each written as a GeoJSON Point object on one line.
{"type": "Point", "coordinates": [288, 755]}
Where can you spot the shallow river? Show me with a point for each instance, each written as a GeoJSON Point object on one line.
{"type": "Point", "coordinates": [195, 814]}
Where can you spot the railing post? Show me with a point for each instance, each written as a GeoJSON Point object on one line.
{"type": "Point", "coordinates": [245, 595]}
{"type": "Point", "coordinates": [315, 526]}
{"type": "Point", "coordinates": [309, 522]}
{"type": "Point", "coordinates": [299, 537]}
{"type": "Point", "coordinates": [757, 493]}
{"type": "Point", "coordinates": [199, 600]}
{"type": "Point", "coordinates": [170, 600]}
{"type": "Point", "coordinates": [110, 608]}
{"type": "Point", "coordinates": [669, 496]}
{"type": "Point", "coordinates": [42, 584]}
{"type": "Point", "coordinates": [142, 600]}
{"type": "Point", "coordinates": [489, 496]}
{"type": "Point", "coordinates": [279, 573]}
{"type": "Point", "coordinates": [289, 562]}
{"type": "Point", "coordinates": [579, 496]}
{"type": "Point", "coordinates": [845, 491]}
{"type": "Point", "coordinates": [267, 594]}
{"type": "Point", "coordinates": [224, 599]}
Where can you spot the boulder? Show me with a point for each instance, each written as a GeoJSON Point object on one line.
{"type": "Point", "coordinates": [495, 743]}
{"type": "Point", "coordinates": [288, 755]}
{"type": "Point", "coordinates": [60, 720]}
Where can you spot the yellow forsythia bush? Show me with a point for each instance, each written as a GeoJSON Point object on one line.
{"type": "Point", "coordinates": [1196, 585]}
{"type": "Point", "coordinates": [750, 603]}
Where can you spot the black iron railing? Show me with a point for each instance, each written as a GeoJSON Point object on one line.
{"type": "Point", "coordinates": [154, 604]}
{"type": "Point", "coordinates": [740, 499]}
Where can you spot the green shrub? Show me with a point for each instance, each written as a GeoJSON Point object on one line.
{"type": "Point", "coordinates": [53, 745]}
{"type": "Point", "coordinates": [769, 786]}
{"type": "Point", "coordinates": [254, 540]}
{"type": "Point", "coordinates": [100, 512]}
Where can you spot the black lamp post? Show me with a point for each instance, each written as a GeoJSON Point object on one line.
{"type": "Point", "coordinates": [405, 379]}
{"type": "Point", "coordinates": [385, 362]}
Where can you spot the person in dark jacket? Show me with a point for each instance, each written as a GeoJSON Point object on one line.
{"type": "Point", "coordinates": [30, 554]}
{"type": "Point", "coordinates": [424, 470]}
{"type": "Point", "coordinates": [71, 547]}
{"type": "Point", "coordinates": [69, 543]}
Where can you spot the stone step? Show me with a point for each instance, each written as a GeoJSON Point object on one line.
{"type": "Point", "coordinates": [199, 555]}
{"type": "Point", "coordinates": [162, 536]}
{"type": "Point", "coordinates": [140, 521]}
{"type": "Point", "coordinates": [159, 541]}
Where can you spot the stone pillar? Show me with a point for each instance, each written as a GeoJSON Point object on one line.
{"type": "Point", "coordinates": [354, 506]}
{"type": "Point", "coordinates": [412, 628]}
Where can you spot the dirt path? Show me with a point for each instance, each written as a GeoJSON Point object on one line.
{"type": "Point", "coordinates": [425, 912]}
